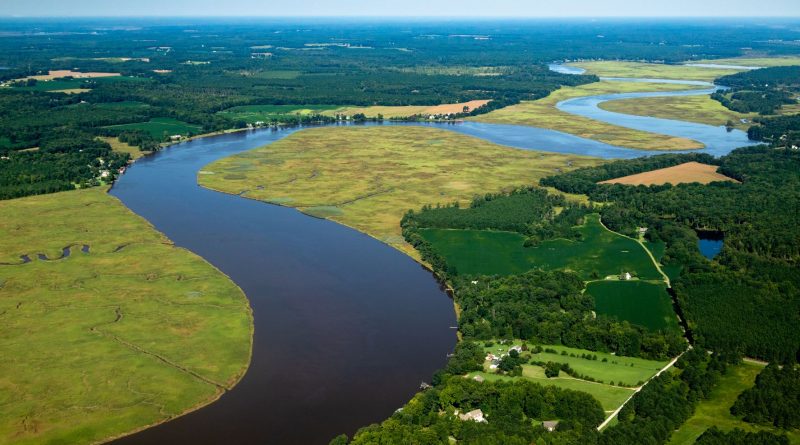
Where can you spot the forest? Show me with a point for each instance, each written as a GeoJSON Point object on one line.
{"type": "Point", "coordinates": [775, 398]}
{"type": "Point", "coordinates": [762, 91]}
{"type": "Point", "coordinates": [758, 218]}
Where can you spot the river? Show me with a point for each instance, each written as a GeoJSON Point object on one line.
{"type": "Point", "coordinates": [346, 327]}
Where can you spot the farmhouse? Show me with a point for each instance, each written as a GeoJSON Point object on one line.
{"type": "Point", "coordinates": [550, 425]}
{"type": "Point", "coordinates": [475, 415]}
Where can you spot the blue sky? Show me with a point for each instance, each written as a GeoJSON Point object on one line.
{"type": "Point", "coordinates": [441, 8]}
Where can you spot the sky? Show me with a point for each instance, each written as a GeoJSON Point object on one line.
{"type": "Point", "coordinates": [405, 8]}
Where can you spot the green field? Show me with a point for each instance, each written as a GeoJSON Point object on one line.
{"type": "Point", "coordinates": [700, 109]}
{"type": "Point", "coordinates": [715, 411]}
{"type": "Point", "coordinates": [639, 302]}
{"type": "Point", "coordinates": [543, 113]}
{"type": "Point", "coordinates": [369, 177]}
{"type": "Point", "coordinates": [265, 113]}
{"type": "Point", "coordinates": [616, 369]}
{"type": "Point", "coordinates": [101, 343]}
{"type": "Point", "coordinates": [601, 252]}
{"type": "Point", "coordinates": [753, 61]}
{"type": "Point", "coordinates": [161, 126]}
{"type": "Point", "coordinates": [73, 84]}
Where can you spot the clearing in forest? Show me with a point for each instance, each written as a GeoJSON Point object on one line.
{"type": "Point", "coordinates": [687, 172]}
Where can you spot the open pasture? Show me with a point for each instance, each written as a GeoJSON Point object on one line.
{"type": "Point", "coordinates": [162, 126]}
{"type": "Point", "coordinates": [543, 113]}
{"type": "Point", "coordinates": [598, 254]}
{"type": "Point", "coordinates": [123, 333]}
{"type": "Point", "coordinates": [639, 302]}
{"type": "Point", "coordinates": [368, 177]}
{"type": "Point", "coordinates": [687, 172]}
{"type": "Point", "coordinates": [408, 110]}
{"type": "Point", "coordinates": [715, 411]}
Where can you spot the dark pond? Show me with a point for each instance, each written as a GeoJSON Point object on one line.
{"type": "Point", "coordinates": [710, 243]}
{"type": "Point", "coordinates": [346, 327]}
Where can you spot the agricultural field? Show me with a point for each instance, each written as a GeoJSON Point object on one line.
{"type": "Point", "coordinates": [680, 174]}
{"type": "Point", "coordinates": [368, 177]}
{"type": "Point", "coordinates": [700, 109]}
{"type": "Point", "coordinates": [543, 113]}
{"type": "Point", "coordinates": [651, 70]}
{"type": "Point", "coordinates": [122, 147]}
{"type": "Point", "coordinates": [599, 254]}
{"type": "Point", "coordinates": [408, 110]}
{"type": "Point", "coordinates": [715, 411]}
{"type": "Point", "coordinates": [124, 331]}
{"type": "Point", "coordinates": [58, 74]}
{"type": "Point", "coordinates": [160, 127]}
{"type": "Point", "coordinates": [265, 113]}
{"type": "Point", "coordinates": [639, 302]}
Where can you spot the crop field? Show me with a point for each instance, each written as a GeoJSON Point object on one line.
{"type": "Point", "coordinates": [368, 177]}
{"type": "Point", "coordinates": [265, 113]}
{"type": "Point", "coordinates": [651, 70]}
{"type": "Point", "coordinates": [161, 126]}
{"type": "Point", "coordinates": [600, 253]}
{"type": "Point", "coordinates": [700, 109]}
{"type": "Point", "coordinates": [680, 174]}
{"type": "Point", "coordinates": [715, 411]}
{"type": "Point", "coordinates": [123, 333]}
{"type": "Point", "coordinates": [543, 113]}
{"type": "Point", "coordinates": [57, 74]}
{"type": "Point", "coordinates": [639, 302]}
{"type": "Point", "coordinates": [408, 110]}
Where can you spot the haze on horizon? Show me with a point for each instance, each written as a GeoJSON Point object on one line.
{"type": "Point", "coordinates": [407, 8]}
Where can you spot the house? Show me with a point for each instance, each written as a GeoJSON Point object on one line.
{"type": "Point", "coordinates": [550, 425]}
{"type": "Point", "coordinates": [476, 415]}
{"type": "Point", "coordinates": [175, 137]}
{"type": "Point", "coordinates": [625, 276]}
{"type": "Point", "coordinates": [478, 379]}
{"type": "Point", "coordinates": [515, 348]}
{"type": "Point", "coordinates": [104, 173]}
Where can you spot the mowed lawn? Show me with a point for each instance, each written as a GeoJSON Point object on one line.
{"type": "Point", "coordinates": [101, 343]}
{"type": "Point", "coordinates": [700, 109]}
{"type": "Point", "coordinates": [368, 177]}
{"type": "Point", "coordinates": [639, 302]}
{"type": "Point", "coordinates": [158, 127]}
{"type": "Point", "coordinates": [599, 254]}
{"type": "Point", "coordinates": [715, 411]}
{"type": "Point", "coordinates": [543, 113]}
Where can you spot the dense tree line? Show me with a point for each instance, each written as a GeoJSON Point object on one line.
{"type": "Point", "coordinates": [762, 91]}
{"type": "Point", "coordinates": [775, 398]}
{"type": "Point", "coordinates": [778, 131]}
{"type": "Point", "coordinates": [513, 412]}
{"type": "Point", "coordinates": [748, 299]}
{"type": "Point", "coordinates": [62, 162]}
{"type": "Point", "coordinates": [736, 436]}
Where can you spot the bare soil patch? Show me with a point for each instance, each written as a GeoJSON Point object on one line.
{"type": "Point", "coordinates": [679, 174]}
